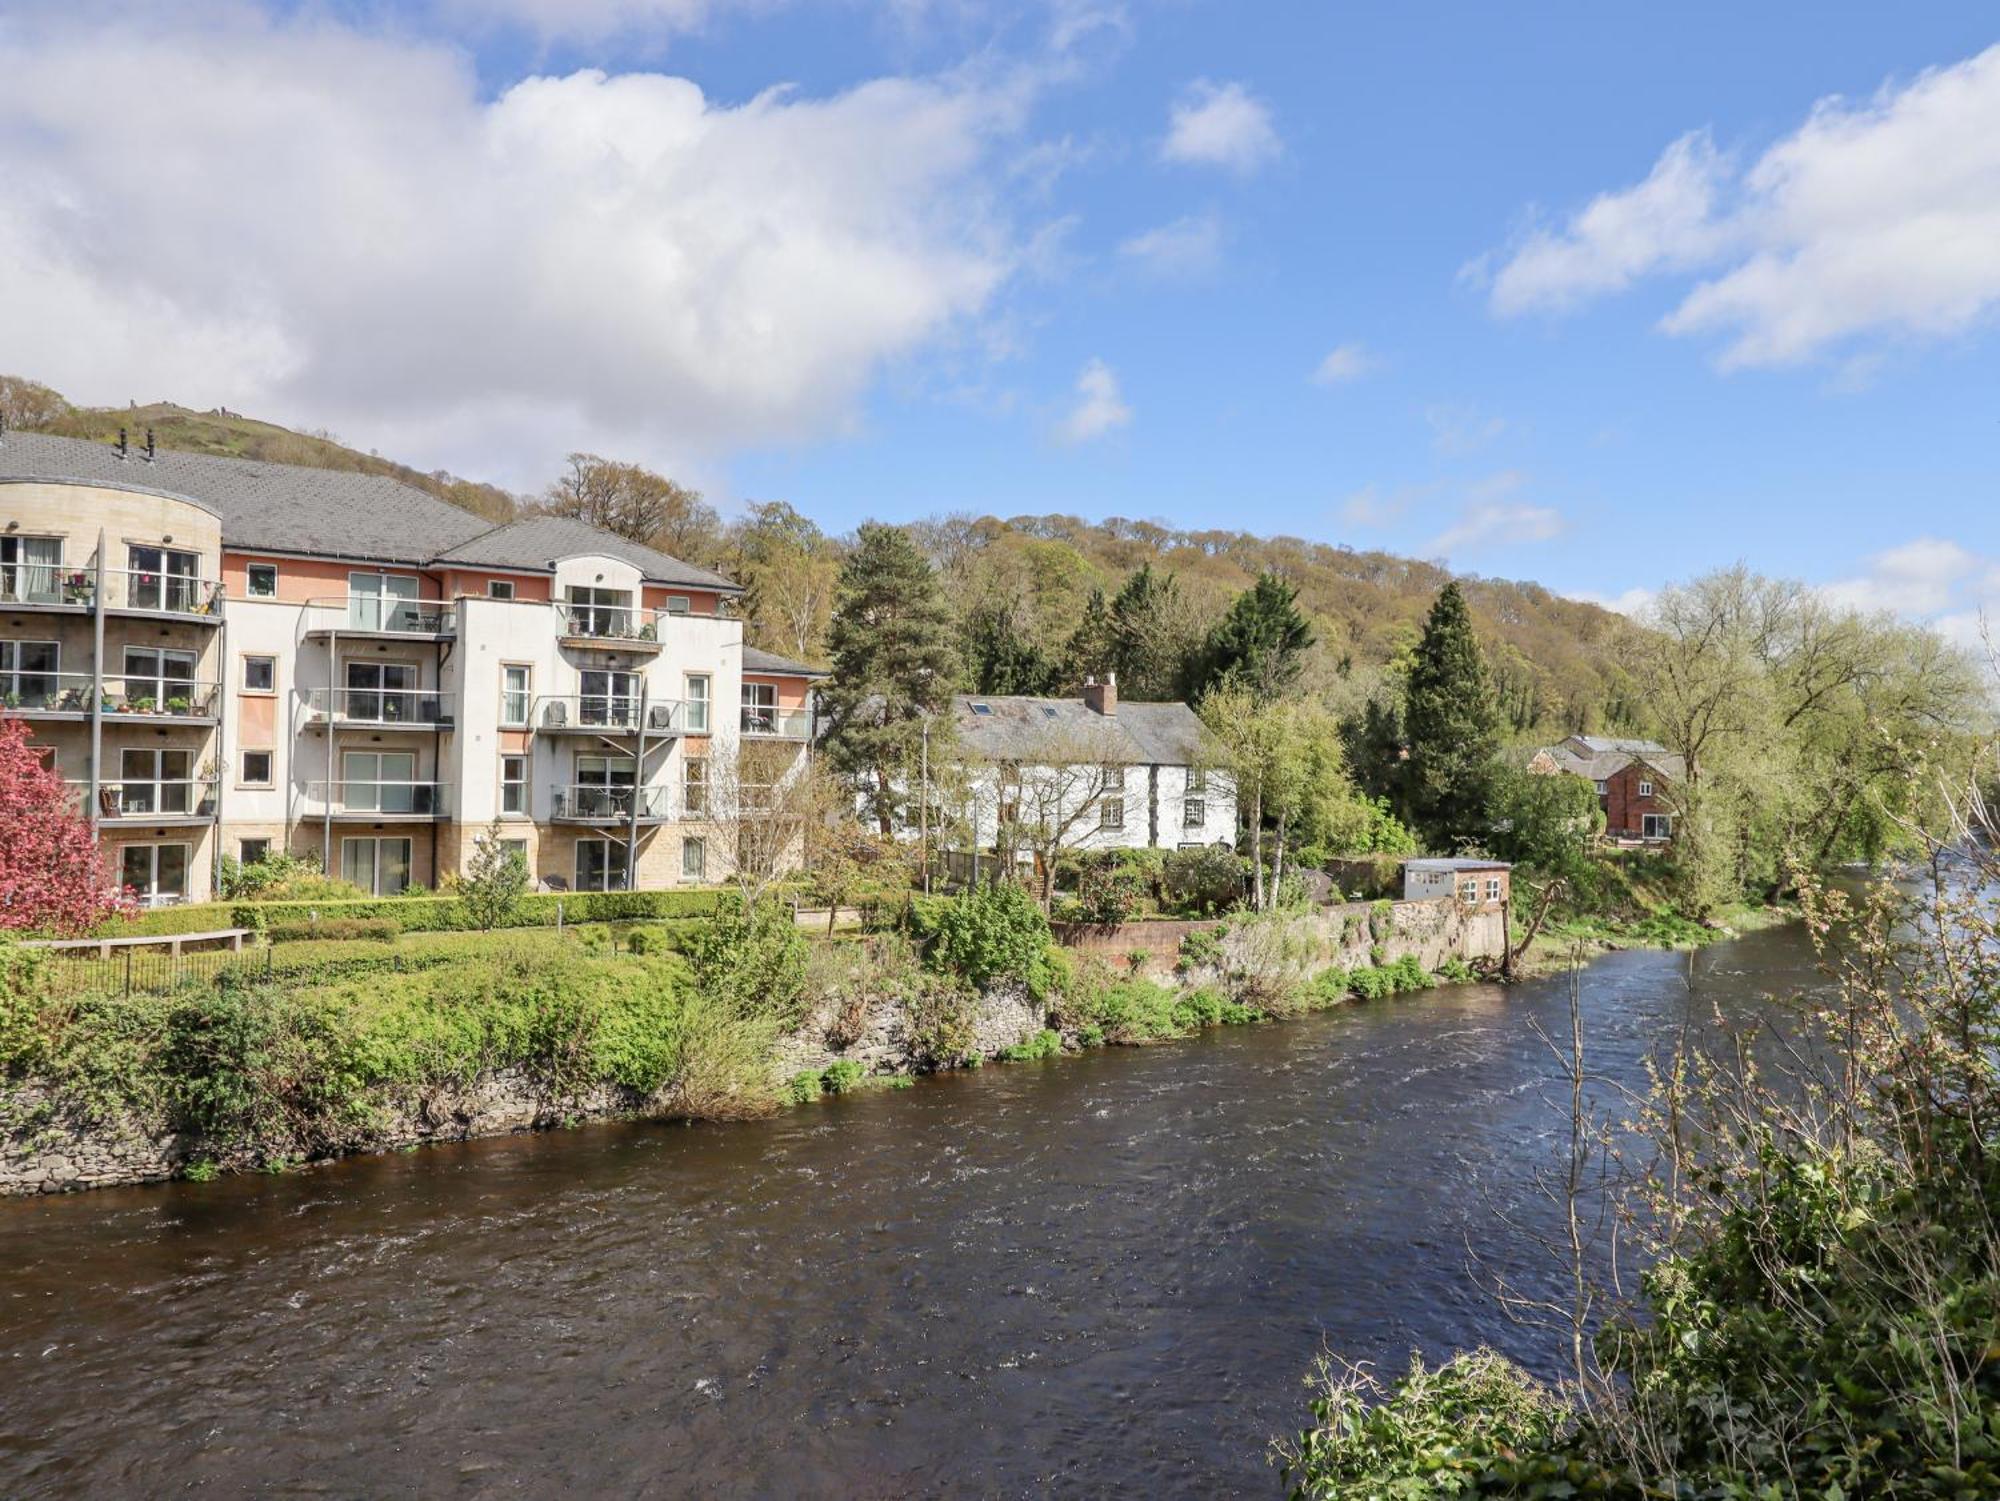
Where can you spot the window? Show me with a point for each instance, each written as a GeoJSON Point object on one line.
{"type": "Point", "coordinates": [609, 699]}
{"type": "Point", "coordinates": [157, 873]}
{"type": "Point", "coordinates": [1602, 788]}
{"type": "Point", "coordinates": [382, 692]}
{"type": "Point", "coordinates": [518, 848]}
{"type": "Point", "coordinates": [760, 709]}
{"type": "Point", "coordinates": [1468, 891]}
{"type": "Point", "coordinates": [697, 704]}
{"type": "Point", "coordinates": [604, 786]}
{"type": "Point", "coordinates": [154, 678]}
{"type": "Point", "coordinates": [251, 851]}
{"type": "Point", "coordinates": [1010, 810]}
{"type": "Point", "coordinates": [1656, 826]}
{"type": "Point", "coordinates": [694, 859]}
{"type": "Point", "coordinates": [600, 865]}
{"type": "Point", "coordinates": [256, 768]}
{"type": "Point", "coordinates": [1492, 888]}
{"type": "Point", "coordinates": [31, 572]}
{"type": "Point", "coordinates": [1197, 781]}
{"type": "Point", "coordinates": [151, 781]}
{"type": "Point", "coordinates": [516, 683]}
{"type": "Point", "coordinates": [599, 612]}
{"type": "Point", "coordinates": [694, 786]}
{"type": "Point", "coordinates": [162, 579]}
{"type": "Point", "coordinates": [29, 679]}
{"type": "Point", "coordinates": [382, 782]}
{"type": "Point", "coordinates": [381, 602]}
{"type": "Point", "coordinates": [1194, 813]}
{"type": "Point", "coordinates": [260, 674]}
{"type": "Point", "coordinates": [380, 867]}
{"type": "Point", "coordinates": [982, 710]}
{"type": "Point", "coordinates": [677, 604]}
{"type": "Point", "coordinates": [262, 579]}
{"type": "Point", "coordinates": [1114, 779]}
{"type": "Point", "coordinates": [1645, 789]}
{"type": "Point", "coordinates": [514, 785]}
{"type": "Point", "coordinates": [499, 588]}
{"type": "Point", "coordinates": [1111, 813]}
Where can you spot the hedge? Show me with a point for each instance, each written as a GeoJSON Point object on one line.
{"type": "Point", "coordinates": [425, 914]}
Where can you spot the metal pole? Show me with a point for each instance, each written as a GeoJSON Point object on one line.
{"type": "Point", "coordinates": [638, 789]}
{"type": "Point", "coordinates": [97, 696]}
{"type": "Point", "coordinates": [924, 808]}
{"type": "Point", "coordinates": [333, 699]}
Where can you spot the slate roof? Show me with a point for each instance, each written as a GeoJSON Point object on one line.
{"type": "Point", "coordinates": [1456, 863]}
{"type": "Point", "coordinates": [1026, 729]}
{"type": "Point", "coordinates": [755, 659]}
{"type": "Point", "coordinates": [538, 541]}
{"type": "Point", "coordinates": [290, 508]}
{"type": "Point", "coordinates": [1601, 759]}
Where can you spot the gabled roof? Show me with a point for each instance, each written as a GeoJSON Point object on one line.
{"type": "Point", "coordinates": [1603, 761]}
{"type": "Point", "coordinates": [756, 659]}
{"type": "Point", "coordinates": [283, 508]}
{"type": "Point", "coordinates": [1602, 744]}
{"type": "Point", "coordinates": [335, 513]}
{"type": "Point", "coordinates": [1012, 728]}
{"type": "Point", "coordinates": [537, 542]}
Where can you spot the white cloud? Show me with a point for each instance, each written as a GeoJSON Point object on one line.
{"type": "Point", "coordinates": [593, 20]}
{"type": "Point", "coordinates": [1490, 519]}
{"type": "Point", "coordinates": [1634, 602]}
{"type": "Point", "coordinates": [341, 228]}
{"type": "Point", "coordinates": [1458, 430]}
{"type": "Point", "coordinates": [1345, 363]}
{"type": "Point", "coordinates": [1220, 125]}
{"type": "Point", "coordinates": [1100, 407]}
{"type": "Point", "coordinates": [1373, 506]}
{"type": "Point", "coordinates": [1919, 579]}
{"type": "Point", "coordinates": [1187, 247]}
{"type": "Point", "coordinates": [1872, 220]}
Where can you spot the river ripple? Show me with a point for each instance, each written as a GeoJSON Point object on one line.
{"type": "Point", "coordinates": [1101, 1275]}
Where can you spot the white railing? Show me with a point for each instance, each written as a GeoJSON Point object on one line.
{"type": "Point", "coordinates": [379, 798]}
{"type": "Point", "coordinates": [380, 613]}
{"type": "Point", "coordinates": [74, 693]}
{"type": "Point", "coordinates": [161, 797]}
{"type": "Point", "coordinates": [609, 713]}
{"type": "Point", "coordinates": [776, 724]}
{"type": "Point", "coordinates": [418, 708]}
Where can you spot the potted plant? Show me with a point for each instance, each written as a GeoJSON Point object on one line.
{"type": "Point", "coordinates": [143, 704]}
{"type": "Point", "coordinates": [76, 588]}
{"type": "Point", "coordinates": [179, 705]}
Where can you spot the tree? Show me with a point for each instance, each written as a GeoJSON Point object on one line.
{"type": "Point", "coordinates": [1546, 824]}
{"type": "Point", "coordinates": [1001, 658]}
{"type": "Point", "coordinates": [789, 571]}
{"type": "Point", "coordinates": [1155, 636]}
{"type": "Point", "coordinates": [1452, 726]}
{"type": "Point", "coordinates": [496, 878]}
{"type": "Point", "coordinates": [1051, 799]}
{"type": "Point", "coordinates": [1091, 652]}
{"type": "Point", "coordinates": [53, 876]}
{"type": "Point", "coordinates": [27, 403]}
{"type": "Point", "coordinates": [893, 670]}
{"type": "Point", "coordinates": [768, 802]}
{"type": "Point", "coordinates": [1260, 644]}
{"type": "Point", "coordinates": [635, 503]}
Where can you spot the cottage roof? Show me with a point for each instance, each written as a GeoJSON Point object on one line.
{"type": "Point", "coordinates": [756, 659]}
{"type": "Point", "coordinates": [1003, 727]}
{"type": "Point", "coordinates": [537, 542]}
{"type": "Point", "coordinates": [1600, 759]}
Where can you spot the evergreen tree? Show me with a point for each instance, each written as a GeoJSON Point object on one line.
{"type": "Point", "coordinates": [1452, 726]}
{"type": "Point", "coordinates": [1092, 648]}
{"type": "Point", "coordinates": [495, 880]}
{"type": "Point", "coordinates": [1001, 658]}
{"type": "Point", "coordinates": [1259, 645]}
{"type": "Point", "coordinates": [894, 666]}
{"type": "Point", "coordinates": [1153, 637]}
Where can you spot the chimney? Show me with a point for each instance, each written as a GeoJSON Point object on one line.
{"type": "Point", "coordinates": [1101, 698]}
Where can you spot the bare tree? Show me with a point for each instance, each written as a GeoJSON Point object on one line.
{"type": "Point", "coordinates": [1065, 791]}
{"type": "Point", "coordinates": [635, 503]}
{"type": "Point", "coordinates": [766, 803]}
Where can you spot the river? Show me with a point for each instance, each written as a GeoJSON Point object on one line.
{"type": "Point", "coordinates": [1100, 1275]}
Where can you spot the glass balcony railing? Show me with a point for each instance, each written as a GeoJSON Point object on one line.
{"type": "Point", "coordinates": [45, 584]}
{"type": "Point", "coordinates": [166, 797]}
{"type": "Point", "coordinates": [72, 693]}
{"type": "Point", "coordinates": [593, 803]}
{"type": "Point", "coordinates": [418, 708]}
{"type": "Point", "coordinates": [378, 799]}
{"type": "Point", "coordinates": [379, 614]}
{"type": "Point", "coordinates": [610, 713]}
{"type": "Point", "coordinates": [776, 724]}
{"type": "Point", "coordinates": [607, 623]}
{"type": "Point", "coordinates": [162, 592]}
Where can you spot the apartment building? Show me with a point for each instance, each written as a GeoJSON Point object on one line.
{"type": "Point", "coordinates": [231, 657]}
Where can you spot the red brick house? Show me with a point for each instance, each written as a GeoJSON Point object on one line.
{"type": "Point", "coordinates": [1633, 780]}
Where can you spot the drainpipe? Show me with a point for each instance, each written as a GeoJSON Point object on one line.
{"type": "Point", "coordinates": [638, 791]}
{"type": "Point", "coordinates": [97, 685]}
{"type": "Point", "coordinates": [221, 744]}
{"type": "Point", "coordinates": [332, 748]}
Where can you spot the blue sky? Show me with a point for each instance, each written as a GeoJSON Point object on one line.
{"type": "Point", "coordinates": [1584, 294]}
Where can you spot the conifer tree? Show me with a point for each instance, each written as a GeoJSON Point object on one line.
{"type": "Point", "coordinates": [1451, 724]}
{"type": "Point", "coordinates": [894, 667]}
{"type": "Point", "coordinates": [1092, 650]}
{"type": "Point", "coordinates": [1259, 645]}
{"type": "Point", "coordinates": [1153, 636]}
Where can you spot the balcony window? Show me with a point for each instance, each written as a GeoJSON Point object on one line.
{"type": "Point", "coordinates": [609, 699]}
{"type": "Point", "coordinates": [152, 781]}
{"type": "Point", "coordinates": [381, 602]}
{"type": "Point", "coordinates": [382, 692]}
{"type": "Point", "coordinates": [29, 674]}
{"type": "Point", "coordinates": [601, 865]}
{"type": "Point", "coordinates": [380, 867]}
{"type": "Point", "coordinates": [600, 612]}
{"type": "Point", "coordinates": [262, 580]}
{"type": "Point", "coordinates": [382, 782]}
{"type": "Point", "coordinates": [31, 571]}
{"type": "Point", "coordinates": [760, 709]}
{"type": "Point", "coordinates": [162, 579]}
{"type": "Point", "coordinates": [156, 679]}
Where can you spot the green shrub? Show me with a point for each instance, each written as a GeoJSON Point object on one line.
{"type": "Point", "coordinates": [434, 914]}
{"type": "Point", "coordinates": [804, 1087]}
{"type": "Point", "coordinates": [334, 927]}
{"type": "Point", "coordinates": [1200, 948]}
{"type": "Point", "coordinates": [755, 964]}
{"type": "Point", "coordinates": [938, 1015]}
{"type": "Point", "coordinates": [1455, 971]}
{"type": "Point", "coordinates": [1044, 1044]}
{"type": "Point", "coordinates": [1209, 1007]}
{"type": "Point", "coordinates": [1201, 881]}
{"type": "Point", "coordinates": [843, 1075]}
{"type": "Point", "coordinates": [994, 932]}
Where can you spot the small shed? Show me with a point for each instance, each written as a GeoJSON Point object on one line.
{"type": "Point", "coordinates": [1476, 883]}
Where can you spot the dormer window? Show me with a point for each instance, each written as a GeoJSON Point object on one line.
{"type": "Point", "coordinates": [982, 710]}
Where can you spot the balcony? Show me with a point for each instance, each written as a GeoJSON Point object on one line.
{"type": "Point", "coordinates": [379, 708]}
{"type": "Point", "coordinates": [605, 714]}
{"type": "Point", "coordinates": [608, 628]}
{"type": "Point", "coordinates": [184, 800]}
{"type": "Point", "coordinates": [42, 586]}
{"type": "Point", "coordinates": [133, 591]}
{"type": "Point", "coordinates": [378, 802]}
{"type": "Point", "coordinates": [610, 805]}
{"type": "Point", "coordinates": [69, 695]}
{"type": "Point", "coordinates": [380, 616]}
{"type": "Point", "coordinates": [777, 724]}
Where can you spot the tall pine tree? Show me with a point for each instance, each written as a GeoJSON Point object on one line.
{"type": "Point", "coordinates": [893, 667]}
{"type": "Point", "coordinates": [1092, 651]}
{"type": "Point", "coordinates": [1154, 636]}
{"type": "Point", "coordinates": [1452, 727]}
{"type": "Point", "coordinates": [1260, 645]}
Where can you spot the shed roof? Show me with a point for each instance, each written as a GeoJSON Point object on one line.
{"type": "Point", "coordinates": [1460, 863]}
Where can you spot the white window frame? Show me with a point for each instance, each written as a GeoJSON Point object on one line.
{"type": "Point", "coordinates": [243, 777]}
{"type": "Point", "coordinates": [150, 893]}
{"type": "Point", "coordinates": [1603, 789]}
{"type": "Point", "coordinates": [244, 680]}
{"type": "Point", "coordinates": [250, 573]}
{"type": "Point", "coordinates": [1114, 778]}
{"type": "Point", "coordinates": [516, 784]}
{"type": "Point", "coordinates": [11, 671]}
{"type": "Point", "coordinates": [525, 695]}
{"type": "Point", "coordinates": [691, 698]}
{"type": "Point", "coordinates": [1645, 789]}
{"type": "Point", "coordinates": [1111, 813]}
{"type": "Point", "coordinates": [1656, 826]}
{"type": "Point", "coordinates": [1492, 888]}
{"type": "Point", "coordinates": [500, 589]}
{"type": "Point", "coordinates": [699, 847]}
{"type": "Point", "coordinates": [694, 786]}
{"type": "Point", "coordinates": [678, 604]}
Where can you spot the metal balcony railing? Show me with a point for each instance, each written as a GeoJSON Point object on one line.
{"type": "Point", "coordinates": [776, 724]}
{"type": "Point", "coordinates": [607, 623]}
{"type": "Point", "coordinates": [607, 713]}
{"type": "Point", "coordinates": [72, 693]}
{"type": "Point", "coordinates": [168, 797]}
{"type": "Point", "coordinates": [418, 708]}
{"type": "Point", "coordinates": [379, 614]}
{"type": "Point", "coordinates": [165, 593]}
{"type": "Point", "coordinates": [593, 803]}
{"type": "Point", "coordinates": [378, 799]}
{"type": "Point", "coordinates": [46, 584]}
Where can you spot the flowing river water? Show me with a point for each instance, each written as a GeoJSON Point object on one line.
{"type": "Point", "coordinates": [1099, 1275]}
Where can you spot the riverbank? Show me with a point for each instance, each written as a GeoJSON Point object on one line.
{"type": "Point", "coordinates": [1556, 947]}
{"type": "Point", "coordinates": [238, 1076]}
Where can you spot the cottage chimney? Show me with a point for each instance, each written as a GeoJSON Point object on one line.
{"type": "Point", "coordinates": [1101, 698]}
